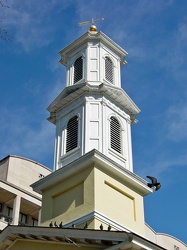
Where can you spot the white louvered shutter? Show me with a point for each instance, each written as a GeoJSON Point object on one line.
{"type": "Point", "coordinates": [108, 70]}
{"type": "Point", "coordinates": [115, 134]}
{"type": "Point", "coordinates": [72, 134]}
{"type": "Point", "coordinates": [78, 69]}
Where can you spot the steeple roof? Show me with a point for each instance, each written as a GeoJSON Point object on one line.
{"type": "Point", "coordinates": [90, 36]}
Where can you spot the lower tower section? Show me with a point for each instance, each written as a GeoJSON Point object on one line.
{"type": "Point", "coordinates": [93, 190]}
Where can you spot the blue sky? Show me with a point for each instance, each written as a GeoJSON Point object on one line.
{"type": "Point", "coordinates": [154, 33]}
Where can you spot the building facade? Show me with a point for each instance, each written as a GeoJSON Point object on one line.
{"type": "Point", "coordinates": [19, 204]}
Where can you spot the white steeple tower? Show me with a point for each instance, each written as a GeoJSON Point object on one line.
{"type": "Point", "coordinates": [93, 111]}
{"type": "Point", "coordinates": [93, 181]}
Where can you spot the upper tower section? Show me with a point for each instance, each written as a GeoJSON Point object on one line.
{"type": "Point", "coordinates": [93, 58]}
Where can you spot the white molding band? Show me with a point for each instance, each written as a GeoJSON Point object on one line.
{"type": "Point", "coordinates": [99, 216]}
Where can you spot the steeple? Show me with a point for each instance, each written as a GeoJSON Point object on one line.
{"type": "Point", "coordinates": [93, 181]}
{"type": "Point", "coordinates": [93, 111]}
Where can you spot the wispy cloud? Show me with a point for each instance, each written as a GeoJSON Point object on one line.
{"type": "Point", "coordinates": [161, 166]}
{"type": "Point", "coordinates": [29, 133]}
{"type": "Point", "coordinates": [176, 119]}
{"type": "Point", "coordinates": [166, 148]}
{"type": "Point", "coordinates": [30, 140]}
{"type": "Point", "coordinates": [31, 23]}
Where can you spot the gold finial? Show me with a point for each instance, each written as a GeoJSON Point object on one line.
{"type": "Point", "coordinates": [93, 28]}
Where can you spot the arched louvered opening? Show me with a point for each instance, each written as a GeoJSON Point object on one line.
{"type": "Point", "coordinates": [78, 69]}
{"type": "Point", "coordinates": [109, 70]}
{"type": "Point", "coordinates": [72, 134]}
{"type": "Point", "coordinates": [115, 134]}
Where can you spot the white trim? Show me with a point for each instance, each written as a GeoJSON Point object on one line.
{"type": "Point", "coordinates": [99, 216]}
{"type": "Point", "coordinates": [86, 160]}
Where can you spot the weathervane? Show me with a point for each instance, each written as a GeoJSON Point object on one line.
{"type": "Point", "coordinates": [93, 28]}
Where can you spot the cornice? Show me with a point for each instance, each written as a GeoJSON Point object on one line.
{"type": "Point", "coordinates": [71, 93]}
{"type": "Point", "coordinates": [96, 159]}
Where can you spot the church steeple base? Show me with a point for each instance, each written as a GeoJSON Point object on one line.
{"type": "Point", "coordinates": [94, 190]}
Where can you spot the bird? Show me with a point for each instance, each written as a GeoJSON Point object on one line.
{"type": "Point", "coordinates": [109, 227]}
{"type": "Point", "coordinates": [55, 224]}
{"type": "Point", "coordinates": [85, 226]}
{"type": "Point", "coordinates": [51, 224]}
{"type": "Point", "coordinates": [61, 225]}
{"type": "Point", "coordinates": [101, 227]}
{"type": "Point", "coordinates": [154, 183]}
{"type": "Point", "coordinates": [73, 226]}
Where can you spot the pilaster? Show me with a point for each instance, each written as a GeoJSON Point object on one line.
{"type": "Point", "coordinates": [16, 210]}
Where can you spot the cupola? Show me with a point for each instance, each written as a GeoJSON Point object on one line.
{"type": "Point", "coordinates": [93, 111]}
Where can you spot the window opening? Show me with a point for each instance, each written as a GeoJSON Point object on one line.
{"type": "Point", "coordinates": [108, 70]}
{"type": "Point", "coordinates": [9, 211]}
{"type": "Point", "coordinates": [115, 135]}
{"type": "Point", "coordinates": [72, 134]}
{"type": "Point", "coordinates": [34, 222]}
{"type": "Point", "coordinates": [8, 218]}
{"type": "Point", "coordinates": [22, 218]}
{"type": "Point", "coordinates": [78, 69]}
{"type": "Point", "coordinates": [1, 207]}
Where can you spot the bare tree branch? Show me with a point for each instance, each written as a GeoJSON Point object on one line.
{"type": "Point", "coordinates": [3, 5]}
{"type": "Point", "coordinates": [4, 35]}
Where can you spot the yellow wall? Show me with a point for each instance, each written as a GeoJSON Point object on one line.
{"type": "Point", "coordinates": [69, 199]}
{"type": "Point", "coordinates": [118, 202]}
{"type": "Point", "coordinates": [94, 190]}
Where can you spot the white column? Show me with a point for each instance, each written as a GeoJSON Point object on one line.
{"type": "Point", "coordinates": [129, 146]}
{"type": "Point", "coordinates": [39, 217]}
{"type": "Point", "coordinates": [16, 210]}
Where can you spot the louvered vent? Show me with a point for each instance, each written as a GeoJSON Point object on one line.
{"type": "Point", "coordinates": [78, 67]}
{"type": "Point", "coordinates": [108, 70]}
{"type": "Point", "coordinates": [115, 135]}
{"type": "Point", "coordinates": [72, 134]}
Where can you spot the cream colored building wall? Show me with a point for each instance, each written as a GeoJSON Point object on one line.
{"type": "Point", "coordinates": [16, 195]}
{"type": "Point", "coordinates": [69, 199]}
{"type": "Point", "coordinates": [118, 202]}
{"type": "Point", "coordinates": [164, 240]}
{"type": "Point", "coordinates": [170, 242]}
{"type": "Point", "coordinates": [23, 172]}
{"type": "Point", "coordinates": [4, 168]}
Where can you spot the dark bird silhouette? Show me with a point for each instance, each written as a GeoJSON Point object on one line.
{"type": "Point", "coordinates": [154, 183]}
{"type": "Point", "coordinates": [51, 224]}
{"type": "Point", "coordinates": [101, 227]}
{"type": "Point", "coordinates": [55, 224]}
{"type": "Point", "coordinates": [61, 225]}
{"type": "Point", "coordinates": [109, 227]}
{"type": "Point", "coordinates": [85, 226]}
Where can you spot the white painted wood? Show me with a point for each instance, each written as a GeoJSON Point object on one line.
{"type": "Point", "coordinates": [93, 51]}
{"type": "Point", "coordinates": [93, 104]}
